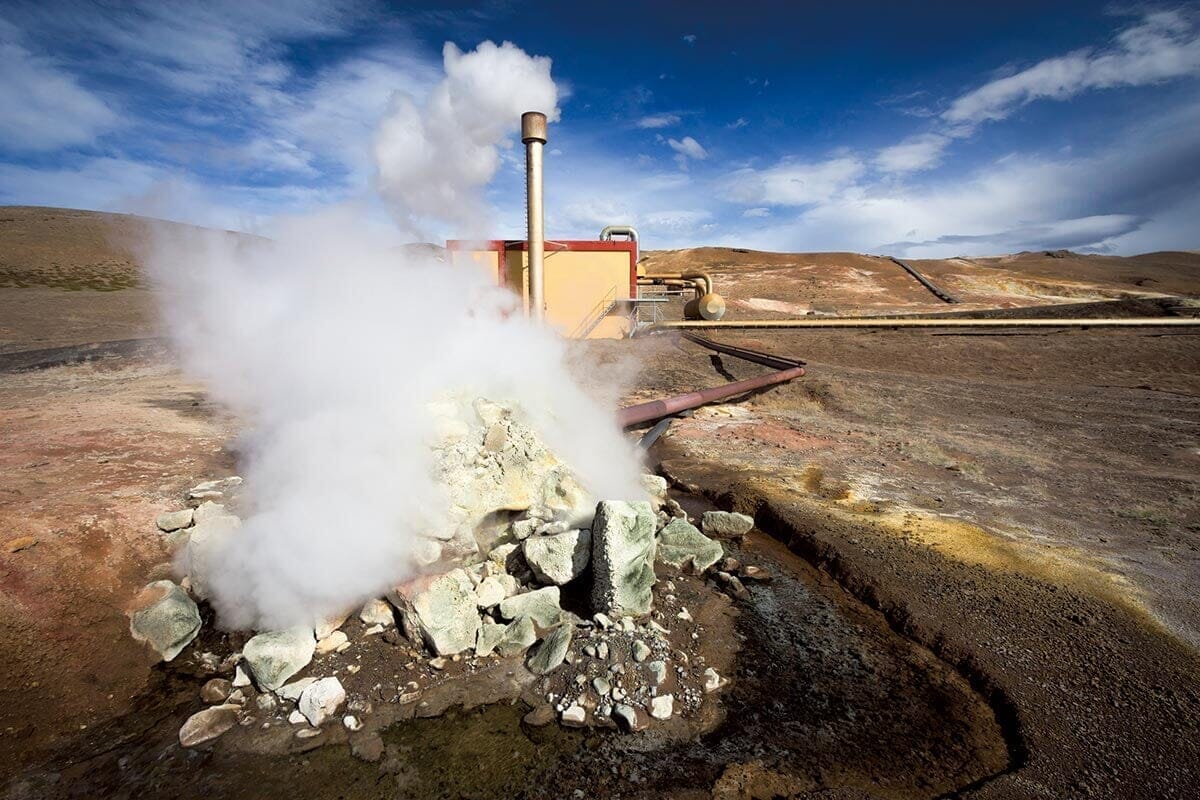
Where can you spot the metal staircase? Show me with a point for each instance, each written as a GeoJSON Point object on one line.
{"type": "Point", "coordinates": [599, 311]}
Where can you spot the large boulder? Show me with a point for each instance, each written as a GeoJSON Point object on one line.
{"type": "Point", "coordinates": [655, 486]}
{"type": "Point", "coordinates": [726, 523]}
{"type": "Point", "coordinates": [174, 520]}
{"type": "Point", "coordinates": [489, 637]}
{"type": "Point", "coordinates": [206, 725]}
{"type": "Point", "coordinates": [206, 543]}
{"type": "Point", "coordinates": [321, 700]}
{"type": "Point", "coordinates": [623, 548]}
{"type": "Point", "coordinates": [518, 637]}
{"type": "Point", "coordinates": [551, 652]}
{"type": "Point", "coordinates": [164, 617]}
{"type": "Point", "coordinates": [540, 605]}
{"type": "Point", "coordinates": [446, 613]}
{"type": "Point", "coordinates": [558, 558]}
{"type": "Point", "coordinates": [376, 612]}
{"type": "Point", "coordinates": [680, 542]}
{"type": "Point", "coordinates": [275, 656]}
{"type": "Point", "coordinates": [494, 588]}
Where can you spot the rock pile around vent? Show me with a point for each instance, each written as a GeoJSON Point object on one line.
{"type": "Point", "coordinates": [520, 537]}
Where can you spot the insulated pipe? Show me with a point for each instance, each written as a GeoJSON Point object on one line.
{"type": "Point", "coordinates": [610, 231]}
{"type": "Point", "coordinates": [709, 307]}
{"type": "Point", "coordinates": [694, 284]}
{"type": "Point", "coordinates": [702, 279]}
{"type": "Point", "coordinates": [883, 322]}
{"type": "Point", "coordinates": [533, 134]}
{"type": "Point", "coordinates": [657, 409]}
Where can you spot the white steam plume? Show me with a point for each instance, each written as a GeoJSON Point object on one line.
{"type": "Point", "coordinates": [433, 160]}
{"type": "Point", "coordinates": [328, 344]}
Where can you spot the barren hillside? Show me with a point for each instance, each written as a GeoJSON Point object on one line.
{"type": "Point", "coordinates": [791, 284]}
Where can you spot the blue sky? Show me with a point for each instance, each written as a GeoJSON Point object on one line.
{"type": "Point", "coordinates": [930, 129]}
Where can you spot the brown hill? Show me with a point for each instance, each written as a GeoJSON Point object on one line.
{"type": "Point", "coordinates": [69, 276]}
{"type": "Point", "coordinates": [800, 283]}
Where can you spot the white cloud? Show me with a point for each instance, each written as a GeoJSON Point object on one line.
{"type": "Point", "coordinates": [914, 153]}
{"type": "Point", "coordinates": [740, 122]}
{"type": "Point", "coordinates": [214, 47]}
{"type": "Point", "coordinates": [690, 38]}
{"type": "Point", "coordinates": [1163, 45]}
{"type": "Point", "coordinates": [756, 213]}
{"type": "Point", "coordinates": [1137, 193]}
{"type": "Point", "coordinates": [45, 108]}
{"type": "Point", "coordinates": [277, 155]}
{"type": "Point", "coordinates": [792, 183]}
{"type": "Point", "coordinates": [337, 114]}
{"type": "Point", "coordinates": [685, 220]}
{"type": "Point", "coordinates": [658, 121]}
{"type": "Point", "coordinates": [686, 148]}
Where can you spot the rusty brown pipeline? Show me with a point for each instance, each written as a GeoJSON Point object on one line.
{"type": "Point", "coordinates": [657, 409]}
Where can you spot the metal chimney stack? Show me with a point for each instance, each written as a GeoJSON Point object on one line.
{"type": "Point", "coordinates": [533, 134]}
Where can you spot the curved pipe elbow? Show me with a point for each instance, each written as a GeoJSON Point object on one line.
{"type": "Point", "coordinates": [610, 231]}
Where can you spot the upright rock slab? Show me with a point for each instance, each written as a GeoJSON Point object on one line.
{"type": "Point", "coordinates": [165, 618]}
{"type": "Point", "coordinates": [623, 549]}
{"type": "Point", "coordinates": [275, 656]}
{"type": "Point", "coordinates": [446, 613]}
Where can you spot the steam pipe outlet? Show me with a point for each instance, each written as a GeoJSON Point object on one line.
{"type": "Point", "coordinates": [628, 231]}
{"type": "Point", "coordinates": [533, 135]}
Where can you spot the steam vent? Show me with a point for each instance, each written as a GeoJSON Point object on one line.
{"type": "Point", "coordinates": [558, 401]}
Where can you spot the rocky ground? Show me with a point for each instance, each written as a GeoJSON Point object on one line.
{"type": "Point", "coordinates": [493, 629]}
{"type": "Point", "coordinates": [981, 550]}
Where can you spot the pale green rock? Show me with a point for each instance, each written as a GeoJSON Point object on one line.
{"type": "Point", "coordinates": [680, 542]}
{"type": "Point", "coordinates": [623, 548]}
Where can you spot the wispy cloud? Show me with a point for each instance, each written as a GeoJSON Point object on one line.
{"type": "Point", "coordinates": [1162, 46]}
{"type": "Point", "coordinates": [1147, 179]}
{"type": "Point", "coordinates": [689, 38]}
{"type": "Point", "coordinates": [658, 121]}
{"type": "Point", "coordinates": [792, 182]}
{"type": "Point", "coordinates": [687, 148]}
{"type": "Point", "coordinates": [915, 153]}
{"type": "Point", "coordinates": [45, 107]}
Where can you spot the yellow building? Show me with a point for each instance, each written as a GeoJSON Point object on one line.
{"type": "Point", "coordinates": [589, 285]}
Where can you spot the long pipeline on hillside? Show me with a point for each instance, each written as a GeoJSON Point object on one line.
{"type": "Point", "coordinates": [657, 409]}
{"type": "Point", "coordinates": [938, 292]}
{"type": "Point", "coordinates": [944, 322]}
